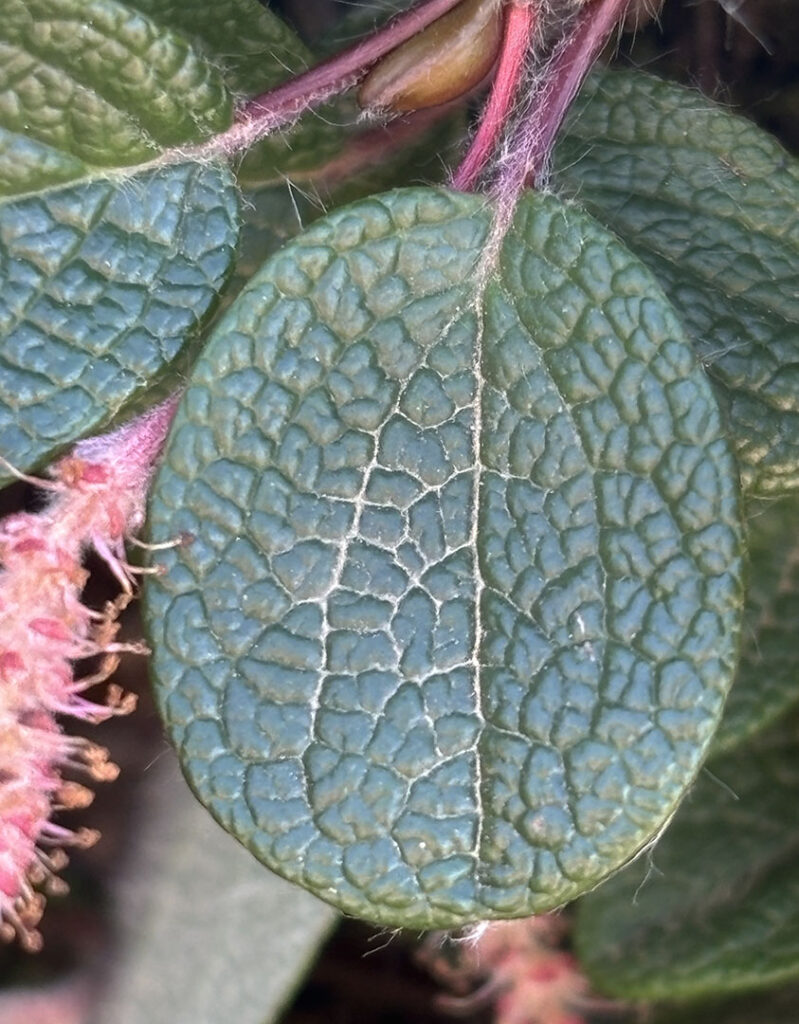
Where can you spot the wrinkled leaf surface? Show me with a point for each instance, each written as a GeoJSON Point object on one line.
{"type": "Point", "coordinates": [462, 603]}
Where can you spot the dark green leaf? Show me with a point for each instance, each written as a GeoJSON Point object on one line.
{"type": "Point", "coordinates": [767, 681]}
{"type": "Point", "coordinates": [301, 149]}
{"type": "Point", "coordinates": [711, 203]}
{"type": "Point", "coordinates": [256, 51]}
{"type": "Point", "coordinates": [101, 285]}
{"type": "Point", "coordinates": [90, 85]}
{"type": "Point", "coordinates": [777, 1007]}
{"type": "Point", "coordinates": [254, 47]}
{"type": "Point", "coordinates": [715, 908]}
{"type": "Point", "coordinates": [462, 605]}
{"type": "Point", "coordinates": [359, 20]}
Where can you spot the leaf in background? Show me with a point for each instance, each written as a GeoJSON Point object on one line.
{"type": "Point", "coordinates": [270, 216]}
{"type": "Point", "coordinates": [101, 286]}
{"type": "Point", "coordinates": [718, 910]}
{"type": "Point", "coordinates": [253, 46]}
{"type": "Point", "coordinates": [711, 203]}
{"type": "Point", "coordinates": [256, 50]}
{"type": "Point", "coordinates": [358, 20]}
{"type": "Point", "coordinates": [462, 605]}
{"type": "Point", "coordinates": [91, 85]}
{"type": "Point", "coordinates": [204, 934]}
{"type": "Point", "coordinates": [299, 150]}
{"type": "Point", "coordinates": [767, 681]}
{"type": "Point", "coordinates": [777, 1007]}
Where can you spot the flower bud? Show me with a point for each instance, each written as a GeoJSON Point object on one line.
{"type": "Point", "coordinates": [442, 62]}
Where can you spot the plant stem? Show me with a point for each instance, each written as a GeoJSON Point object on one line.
{"type": "Point", "coordinates": [286, 102]}
{"type": "Point", "coordinates": [531, 144]}
{"type": "Point", "coordinates": [519, 26]}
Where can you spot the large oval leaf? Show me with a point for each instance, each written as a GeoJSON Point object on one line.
{"type": "Point", "coordinates": [101, 285]}
{"type": "Point", "coordinates": [717, 908]}
{"type": "Point", "coordinates": [462, 602]}
{"type": "Point", "coordinates": [92, 84]}
{"type": "Point", "coordinates": [711, 203]}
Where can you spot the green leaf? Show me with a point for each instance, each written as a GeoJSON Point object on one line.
{"type": "Point", "coordinates": [300, 149]}
{"type": "Point", "coordinates": [711, 203]}
{"type": "Point", "coordinates": [254, 48]}
{"type": "Point", "coordinates": [717, 909]}
{"type": "Point", "coordinates": [89, 85]}
{"type": "Point", "coordinates": [359, 20]}
{"type": "Point", "coordinates": [462, 603]}
{"type": "Point", "coordinates": [101, 286]}
{"type": "Point", "coordinates": [767, 681]}
{"type": "Point", "coordinates": [778, 1007]}
{"type": "Point", "coordinates": [256, 51]}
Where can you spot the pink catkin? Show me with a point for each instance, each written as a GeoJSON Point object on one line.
{"type": "Point", "coordinates": [519, 967]}
{"type": "Point", "coordinates": [98, 499]}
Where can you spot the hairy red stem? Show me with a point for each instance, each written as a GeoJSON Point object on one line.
{"type": "Point", "coordinates": [519, 25]}
{"type": "Point", "coordinates": [284, 103]}
{"type": "Point", "coordinates": [531, 145]}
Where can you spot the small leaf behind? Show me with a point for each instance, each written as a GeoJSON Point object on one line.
{"type": "Point", "coordinates": [767, 681]}
{"type": "Point", "coordinates": [92, 85]}
{"type": "Point", "coordinates": [463, 601]}
{"type": "Point", "coordinates": [711, 203]}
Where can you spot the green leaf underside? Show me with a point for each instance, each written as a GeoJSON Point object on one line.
{"type": "Point", "coordinates": [711, 203]}
{"type": "Point", "coordinates": [767, 680]}
{"type": "Point", "coordinates": [459, 616]}
{"type": "Point", "coordinates": [299, 149]}
{"type": "Point", "coordinates": [101, 285]}
{"type": "Point", "coordinates": [719, 912]}
{"type": "Point", "coordinates": [87, 85]}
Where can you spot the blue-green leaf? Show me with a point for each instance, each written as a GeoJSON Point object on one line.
{"type": "Point", "coordinates": [101, 286]}
{"type": "Point", "coordinates": [463, 600]}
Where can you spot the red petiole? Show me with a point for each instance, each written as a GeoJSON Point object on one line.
{"type": "Point", "coordinates": [520, 20]}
